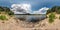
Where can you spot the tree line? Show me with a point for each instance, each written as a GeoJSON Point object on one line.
{"type": "Point", "coordinates": [54, 9]}
{"type": "Point", "coordinates": [6, 10]}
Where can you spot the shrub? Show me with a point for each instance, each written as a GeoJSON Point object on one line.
{"type": "Point", "coordinates": [54, 9]}
{"type": "Point", "coordinates": [51, 18]}
{"type": "Point", "coordinates": [1, 9]}
{"type": "Point", "coordinates": [10, 13]}
{"type": "Point", "coordinates": [48, 11]}
{"type": "Point", "coordinates": [2, 17]}
{"type": "Point", "coordinates": [58, 12]}
{"type": "Point", "coordinates": [6, 9]}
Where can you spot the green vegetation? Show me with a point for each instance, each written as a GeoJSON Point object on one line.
{"type": "Point", "coordinates": [51, 18]}
{"type": "Point", "coordinates": [1, 9]}
{"type": "Point", "coordinates": [54, 9]}
{"type": "Point", "coordinates": [10, 13]}
{"type": "Point", "coordinates": [2, 17]}
{"type": "Point", "coordinates": [6, 10]}
{"type": "Point", "coordinates": [48, 11]}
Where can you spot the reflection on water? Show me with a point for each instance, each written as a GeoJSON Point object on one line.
{"type": "Point", "coordinates": [31, 18]}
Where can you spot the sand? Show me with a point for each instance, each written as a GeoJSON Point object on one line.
{"type": "Point", "coordinates": [15, 24]}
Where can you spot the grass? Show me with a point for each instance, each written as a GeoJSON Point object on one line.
{"type": "Point", "coordinates": [51, 18]}
{"type": "Point", "coordinates": [3, 17]}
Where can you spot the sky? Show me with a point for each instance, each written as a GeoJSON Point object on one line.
{"type": "Point", "coordinates": [36, 5]}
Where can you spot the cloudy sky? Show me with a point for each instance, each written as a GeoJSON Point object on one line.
{"type": "Point", "coordinates": [36, 5]}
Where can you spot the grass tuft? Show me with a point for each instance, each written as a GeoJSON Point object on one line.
{"type": "Point", "coordinates": [51, 18]}
{"type": "Point", "coordinates": [3, 17]}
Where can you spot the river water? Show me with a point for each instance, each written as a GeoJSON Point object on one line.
{"type": "Point", "coordinates": [31, 18]}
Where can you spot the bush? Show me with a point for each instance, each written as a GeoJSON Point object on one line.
{"type": "Point", "coordinates": [58, 12]}
{"type": "Point", "coordinates": [51, 18]}
{"type": "Point", "coordinates": [48, 11]}
{"type": "Point", "coordinates": [1, 9]}
{"type": "Point", "coordinates": [6, 9]}
{"type": "Point", "coordinates": [10, 13]}
{"type": "Point", "coordinates": [54, 9]}
{"type": "Point", "coordinates": [2, 17]}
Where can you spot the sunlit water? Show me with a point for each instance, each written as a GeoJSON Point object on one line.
{"type": "Point", "coordinates": [31, 18]}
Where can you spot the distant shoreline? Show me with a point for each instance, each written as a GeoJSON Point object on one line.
{"type": "Point", "coordinates": [30, 14]}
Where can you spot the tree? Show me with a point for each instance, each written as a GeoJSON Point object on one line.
{"type": "Point", "coordinates": [1, 9]}
{"type": "Point", "coordinates": [48, 11]}
{"type": "Point", "coordinates": [54, 9]}
{"type": "Point", "coordinates": [6, 9]}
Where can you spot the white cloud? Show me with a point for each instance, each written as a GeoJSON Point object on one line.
{"type": "Point", "coordinates": [26, 8]}
{"type": "Point", "coordinates": [21, 8]}
{"type": "Point", "coordinates": [41, 11]}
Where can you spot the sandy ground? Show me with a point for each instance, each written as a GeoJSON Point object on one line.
{"type": "Point", "coordinates": [16, 24]}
